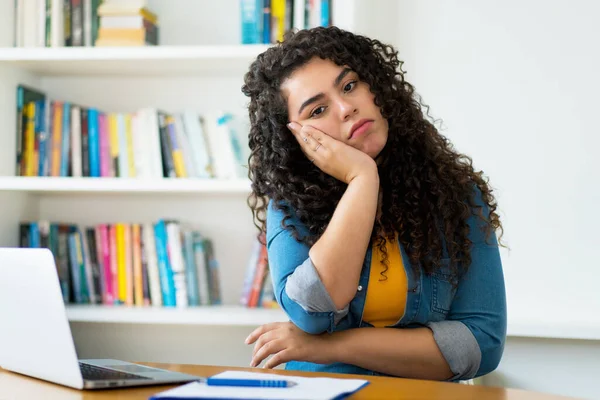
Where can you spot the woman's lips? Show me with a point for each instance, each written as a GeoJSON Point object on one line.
{"type": "Point", "coordinates": [361, 130]}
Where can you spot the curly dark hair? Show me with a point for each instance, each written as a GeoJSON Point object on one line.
{"type": "Point", "coordinates": [428, 188]}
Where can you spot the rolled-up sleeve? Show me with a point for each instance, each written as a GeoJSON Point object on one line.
{"type": "Point", "coordinates": [304, 286]}
{"type": "Point", "coordinates": [458, 346]}
{"type": "Point", "coordinates": [472, 337]}
{"type": "Point", "coordinates": [297, 285]}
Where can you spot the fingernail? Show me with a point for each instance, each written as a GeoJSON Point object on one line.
{"type": "Point", "coordinates": [247, 339]}
{"type": "Point", "coordinates": [293, 125]}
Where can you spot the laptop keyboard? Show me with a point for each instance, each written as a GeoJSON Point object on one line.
{"type": "Point", "coordinates": [95, 373]}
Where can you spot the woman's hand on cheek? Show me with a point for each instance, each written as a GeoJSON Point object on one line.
{"type": "Point", "coordinates": [284, 342]}
{"type": "Point", "coordinates": [332, 156]}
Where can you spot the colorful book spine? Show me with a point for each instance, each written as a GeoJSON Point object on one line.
{"type": "Point", "coordinates": [113, 128]}
{"type": "Point", "coordinates": [175, 254]}
{"type": "Point", "coordinates": [154, 281]}
{"type": "Point", "coordinates": [64, 276]}
{"type": "Point", "coordinates": [164, 266]}
{"type": "Point", "coordinates": [77, 22]}
{"type": "Point", "coordinates": [121, 262]}
{"type": "Point", "coordinates": [131, 172]}
{"type": "Point", "coordinates": [176, 150]}
{"type": "Point", "coordinates": [95, 261]}
{"type": "Point", "coordinates": [144, 250]}
{"type": "Point", "coordinates": [266, 26]}
{"type": "Point", "coordinates": [114, 263]}
{"type": "Point", "coordinates": [42, 134]}
{"type": "Point", "coordinates": [57, 139]}
{"type": "Point", "coordinates": [85, 142]}
{"type": "Point", "coordinates": [94, 143]}
{"type": "Point", "coordinates": [104, 145]}
{"type": "Point", "coordinates": [251, 17]}
{"type": "Point", "coordinates": [165, 146]}
{"type": "Point", "coordinates": [66, 142]}
{"type": "Point", "coordinates": [34, 235]}
{"type": "Point", "coordinates": [198, 146]}
{"type": "Point", "coordinates": [250, 271]}
{"type": "Point", "coordinates": [48, 24]}
{"type": "Point", "coordinates": [24, 142]}
{"type": "Point", "coordinates": [191, 273]}
{"type": "Point", "coordinates": [104, 255]}
{"type": "Point", "coordinates": [74, 260]}
{"type": "Point", "coordinates": [78, 145]}
{"type": "Point", "coordinates": [325, 12]}
{"type": "Point", "coordinates": [29, 155]}
{"type": "Point", "coordinates": [47, 162]}
{"type": "Point", "coordinates": [128, 264]}
{"type": "Point", "coordinates": [86, 266]}
{"type": "Point", "coordinates": [123, 152]}
{"type": "Point", "coordinates": [202, 268]}
{"type": "Point", "coordinates": [259, 276]}
{"type": "Point", "coordinates": [138, 283]}
{"type": "Point", "coordinates": [213, 273]}
{"type": "Point", "coordinates": [277, 20]}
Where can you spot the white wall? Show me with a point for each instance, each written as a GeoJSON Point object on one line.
{"type": "Point", "coordinates": [516, 84]}
{"type": "Point", "coordinates": [180, 344]}
{"type": "Point", "coordinates": [561, 367]}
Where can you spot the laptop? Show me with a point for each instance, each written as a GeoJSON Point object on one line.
{"type": "Point", "coordinates": [35, 337]}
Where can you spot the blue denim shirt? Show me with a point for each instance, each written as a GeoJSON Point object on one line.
{"type": "Point", "coordinates": [468, 322]}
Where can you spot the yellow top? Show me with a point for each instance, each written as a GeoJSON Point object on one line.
{"type": "Point", "coordinates": [386, 298]}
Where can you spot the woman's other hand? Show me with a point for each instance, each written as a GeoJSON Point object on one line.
{"type": "Point", "coordinates": [333, 157]}
{"type": "Point", "coordinates": [285, 342]}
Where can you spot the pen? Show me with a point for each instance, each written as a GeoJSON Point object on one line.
{"type": "Point", "coordinates": [270, 383]}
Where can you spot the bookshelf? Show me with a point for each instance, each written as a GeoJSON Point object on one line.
{"type": "Point", "coordinates": [201, 72]}
{"type": "Point", "coordinates": [123, 186]}
{"type": "Point", "coordinates": [198, 66]}
{"type": "Point", "coordinates": [579, 327]}
{"type": "Point", "coordinates": [153, 61]}
{"type": "Point", "coordinates": [207, 315]}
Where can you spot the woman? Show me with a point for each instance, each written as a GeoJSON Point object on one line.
{"type": "Point", "coordinates": [381, 237]}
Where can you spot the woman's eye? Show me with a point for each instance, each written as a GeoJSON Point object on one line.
{"type": "Point", "coordinates": [349, 86]}
{"type": "Point", "coordinates": [317, 111]}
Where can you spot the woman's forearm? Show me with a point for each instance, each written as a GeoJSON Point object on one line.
{"type": "Point", "coordinates": [407, 353]}
{"type": "Point", "coordinates": [338, 255]}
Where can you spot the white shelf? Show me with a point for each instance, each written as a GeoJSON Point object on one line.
{"type": "Point", "coordinates": [572, 325]}
{"type": "Point", "coordinates": [206, 315]}
{"type": "Point", "coordinates": [55, 185]}
{"type": "Point", "coordinates": [241, 316]}
{"type": "Point", "coordinates": [558, 331]}
{"type": "Point", "coordinates": [132, 61]}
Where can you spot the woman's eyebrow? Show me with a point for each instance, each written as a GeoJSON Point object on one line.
{"type": "Point", "coordinates": [341, 76]}
{"type": "Point", "coordinates": [319, 96]}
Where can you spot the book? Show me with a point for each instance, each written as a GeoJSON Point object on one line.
{"type": "Point", "coordinates": [134, 264]}
{"type": "Point", "coordinates": [60, 138]}
{"type": "Point", "coordinates": [26, 95]}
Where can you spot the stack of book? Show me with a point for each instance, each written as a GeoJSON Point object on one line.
{"type": "Point", "coordinates": [126, 23]}
{"type": "Point", "coordinates": [266, 21]}
{"type": "Point", "coordinates": [258, 290]}
{"type": "Point", "coordinates": [56, 23]}
{"type": "Point", "coordinates": [60, 138]}
{"type": "Point", "coordinates": [166, 263]}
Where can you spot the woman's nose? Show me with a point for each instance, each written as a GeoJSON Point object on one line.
{"type": "Point", "coordinates": [347, 110]}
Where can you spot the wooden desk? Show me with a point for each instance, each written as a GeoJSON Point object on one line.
{"type": "Point", "coordinates": [17, 387]}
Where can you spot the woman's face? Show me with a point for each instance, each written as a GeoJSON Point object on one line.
{"type": "Point", "coordinates": [332, 99]}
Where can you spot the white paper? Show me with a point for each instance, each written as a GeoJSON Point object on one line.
{"type": "Point", "coordinates": [306, 388]}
